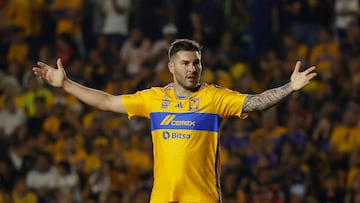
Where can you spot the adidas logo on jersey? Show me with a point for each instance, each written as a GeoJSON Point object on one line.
{"type": "Point", "coordinates": [179, 105]}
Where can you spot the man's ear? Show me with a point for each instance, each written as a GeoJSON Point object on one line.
{"type": "Point", "coordinates": [171, 67]}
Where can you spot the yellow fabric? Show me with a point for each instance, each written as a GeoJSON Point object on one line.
{"type": "Point", "coordinates": [17, 101]}
{"type": "Point", "coordinates": [238, 69]}
{"type": "Point", "coordinates": [138, 159]}
{"type": "Point", "coordinates": [69, 100]}
{"type": "Point", "coordinates": [27, 99]}
{"type": "Point", "coordinates": [185, 135]}
{"type": "Point", "coordinates": [273, 134]}
{"type": "Point", "coordinates": [60, 144]}
{"type": "Point", "coordinates": [18, 52]}
{"type": "Point", "coordinates": [207, 76]}
{"type": "Point", "coordinates": [345, 139]}
{"type": "Point", "coordinates": [67, 25]}
{"type": "Point", "coordinates": [111, 124]}
{"type": "Point", "coordinates": [38, 7]}
{"type": "Point", "coordinates": [240, 196]}
{"type": "Point", "coordinates": [52, 124]}
{"type": "Point", "coordinates": [19, 13]}
{"type": "Point", "coordinates": [269, 136]}
{"type": "Point", "coordinates": [2, 197]}
{"type": "Point", "coordinates": [93, 163]}
{"type": "Point", "coordinates": [78, 157]}
{"type": "Point", "coordinates": [88, 119]}
{"type": "Point", "coordinates": [312, 87]}
{"type": "Point", "coordinates": [353, 172]}
{"type": "Point", "coordinates": [224, 79]}
{"type": "Point", "coordinates": [164, 76]}
{"type": "Point", "coordinates": [323, 55]}
{"type": "Point", "coordinates": [224, 155]}
{"type": "Point", "coordinates": [28, 198]}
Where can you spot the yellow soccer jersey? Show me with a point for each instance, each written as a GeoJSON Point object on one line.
{"type": "Point", "coordinates": [185, 135]}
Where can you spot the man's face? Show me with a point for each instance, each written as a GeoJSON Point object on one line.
{"type": "Point", "coordinates": [186, 69]}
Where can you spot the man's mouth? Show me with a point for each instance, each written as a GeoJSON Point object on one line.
{"type": "Point", "coordinates": [191, 77]}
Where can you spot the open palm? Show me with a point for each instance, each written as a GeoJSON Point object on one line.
{"type": "Point", "coordinates": [300, 79]}
{"type": "Point", "coordinates": [52, 76]}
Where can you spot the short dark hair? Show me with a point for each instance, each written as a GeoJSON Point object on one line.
{"type": "Point", "coordinates": [183, 45]}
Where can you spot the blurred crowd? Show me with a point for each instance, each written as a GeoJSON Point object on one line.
{"type": "Point", "coordinates": [55, 149]}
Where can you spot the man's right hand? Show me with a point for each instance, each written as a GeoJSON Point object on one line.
{"type": "Point", "coordinates": [52, 76]}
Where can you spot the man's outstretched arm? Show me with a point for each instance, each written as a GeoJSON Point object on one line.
{"type": "Point", "coordinates": [56, 77]}
{"type": "Point", "coordinates": [269, 98]}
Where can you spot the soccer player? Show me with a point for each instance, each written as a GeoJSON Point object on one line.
{"type": "Point", "coordinates": [185, 120]}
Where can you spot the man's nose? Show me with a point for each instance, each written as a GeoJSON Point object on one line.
{"type": "Point", "coordinates": [193, 67]}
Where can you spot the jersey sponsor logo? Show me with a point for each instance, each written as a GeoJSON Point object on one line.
{"type": "Point", "coordinates": [184, 121]}
{"type": "Point", "coordinates": [166, 135]}
{"type": "Point", "coordinates": [181, 136]}
{"type": "Point", "coordinates": [170, 120]}
{"type": "Point", "coordinates": [194, 104]}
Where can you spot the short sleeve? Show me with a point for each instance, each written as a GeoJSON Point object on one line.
{"type": "Point", "coordinates": [136, 105]}
{"type": "Point", "coordinates": [229, 103]}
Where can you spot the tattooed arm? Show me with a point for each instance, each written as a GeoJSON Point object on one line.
{"type": "Point", "coordinates": [269, 98]}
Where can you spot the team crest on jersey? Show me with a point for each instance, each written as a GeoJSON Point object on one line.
{"type": "Point", "coordinates": [194, 104]}
{"type": "Point", "coordinates": [165, 102]}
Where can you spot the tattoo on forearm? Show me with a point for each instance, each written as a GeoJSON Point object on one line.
{"type": "Point", "coordinates": [267, 99]}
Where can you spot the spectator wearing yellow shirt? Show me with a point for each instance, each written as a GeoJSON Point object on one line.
{"type": "Point", "coordinates": [269, 130]}
{"type": "Point", "coordinates": [345, 136]}
{"type": "Point", "coordinates": [100, 148]}
{"type": "Point", "coordinates": [326, 52]}
{"type": "Point", "coordinates": [19, 14]}
{"type": "Point", "coordinates": [135, 154]}
{"type": "Point", "coordinates": [29, 16]}
{"type": "Point", "coordinates": [68, 16]}
{"type": "Point", "coordinates": [59, 96]}
{"type": "Point", "coordinates": [71, 152]}
{"type": "Point", "coordinates": [54, 120]}
{"type": "Point", "coordinates": [34, 89]}
{"type": "Point", "coordinates": [25, 14]}
{"type": "Point", "coordinates": [18, 49]}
